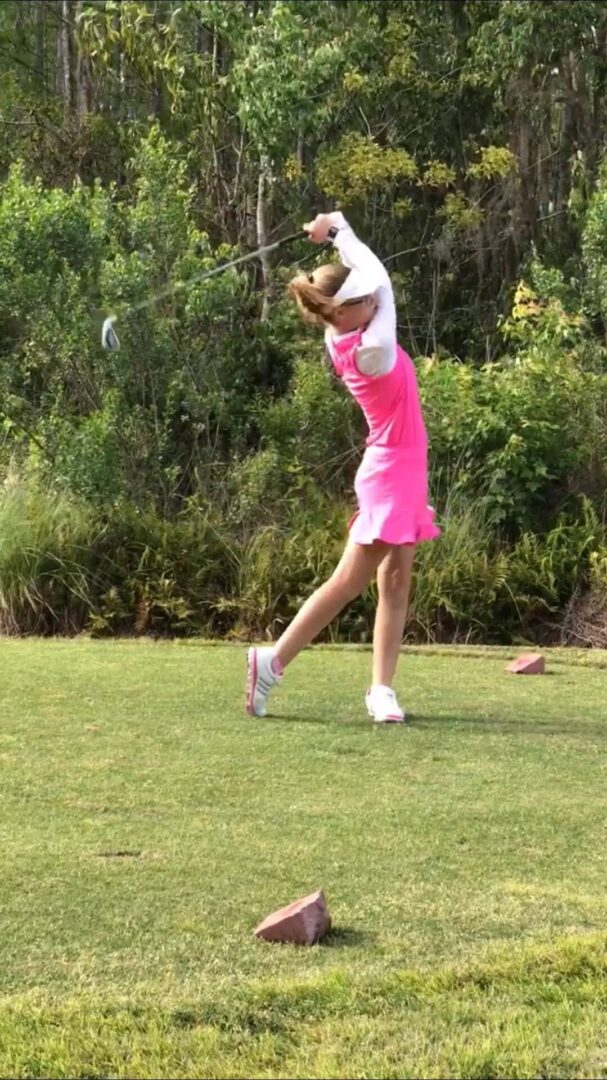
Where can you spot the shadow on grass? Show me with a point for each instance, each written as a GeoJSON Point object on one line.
{"type": "Point", "coordinates": [473, 725]}
{"type": "Point", "coordinates": [347, 937]}
{"type": "Point", "coordinates": [482, 725]}
{"type": "Point", "coordinates": [317, 718]}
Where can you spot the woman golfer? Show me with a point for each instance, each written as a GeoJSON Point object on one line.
{"type": "Point", "coordinates": [354, 303]}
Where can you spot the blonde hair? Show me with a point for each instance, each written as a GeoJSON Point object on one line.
{"type": "Point", "coordinates": [314, 293]}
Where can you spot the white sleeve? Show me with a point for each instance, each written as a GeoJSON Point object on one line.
{"type": "Point", "coordinates": [377, 352]}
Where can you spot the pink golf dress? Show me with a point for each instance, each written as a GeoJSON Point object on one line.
{"type": "Point", "coordinates": [392, 481]}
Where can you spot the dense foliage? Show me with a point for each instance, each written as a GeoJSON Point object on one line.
{"type": "Point", "coordinates": [200, 478]}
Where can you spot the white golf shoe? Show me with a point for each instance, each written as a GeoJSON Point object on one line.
{"type": "Point", "coordinates": [383, 707]}
{"type": "Point", "coordinates": [263, 673]}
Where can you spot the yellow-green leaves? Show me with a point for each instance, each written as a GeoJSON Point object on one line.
{"type": "Point", "coordinates": [496, 162]}
{"type": "Point", "coordinates": [353, 81]}
{"type": "Point", "coordinates": [438, 174]}
{"type": "Point", "coordinates": [460, 213]}
{"type": "Point", "coordinates": [359, 166]}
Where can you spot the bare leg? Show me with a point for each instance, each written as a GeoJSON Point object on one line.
{"type": "Point", "coordinates": [394, 583]}
{"type": "Point", "coordinates": [356, 569]}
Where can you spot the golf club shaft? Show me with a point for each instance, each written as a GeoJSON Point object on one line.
{"type": "Point", "coordinates": [178, 285]}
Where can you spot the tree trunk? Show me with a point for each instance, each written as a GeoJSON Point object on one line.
{"type": "Point", "coordinates": [83, 78]}
{"type": "Point", "coordinates": [215, 54]}
{"type": "Point", "coordinates": [122, 104]}
{"type": "Point", "coordinates": [156, 102]}
{"type": "Point", "coordinates": [482, 233]}
{"type": "Point", "coordinates": [525, 141]}
{"type": "Point", "coordinates": [251, 218]}
{"type": "Point", "coordinates": [262, 234]}
{"type": "Point", "coordinates": [41, 46]}
{"type": "Point", "coordinates": [599, 90]}
{"type": "Point", "coordinates": [204, 38]}
{"type": "Point", "coordinates": [63, 72]}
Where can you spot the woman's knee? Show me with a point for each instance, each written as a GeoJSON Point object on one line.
{"type": "Point", "coordinates": [357, 569]}
{"type": "Point", "coordinates": [345, 587]}
{"type": "Point", "coordinates": [348, 583]}
{"type": "Point", "coordinates": [394, 584]}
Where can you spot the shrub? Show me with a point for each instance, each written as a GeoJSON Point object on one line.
{"type": "Point", "coordinates": [528, 436]}
{"type": "Point", "coordinates": [458, 578]}
{"type": "Point", "coordinates": [45, 561]}
{"type": "Point", "coordinates": [154, 576]}
{"type": "Point", "coordinates": [585, 621]}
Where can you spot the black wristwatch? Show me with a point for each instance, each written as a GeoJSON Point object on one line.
{"type": "Point", "coordinates": [333, 231]}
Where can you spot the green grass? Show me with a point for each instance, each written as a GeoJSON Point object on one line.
{"type": "Point", "coordinates": [463, 859]}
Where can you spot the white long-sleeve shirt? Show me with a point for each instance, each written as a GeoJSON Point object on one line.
{"type": "Point", "coordinates": [376, 354]}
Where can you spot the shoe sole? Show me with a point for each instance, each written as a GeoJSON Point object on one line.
{"type": "Point", "coordinates": [387, 719]}
{"type": "Point", "coordinates": [251, 680]}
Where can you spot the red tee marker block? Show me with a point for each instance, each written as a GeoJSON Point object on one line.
{"type": "Point", "coordinates": [303, 922]}
{"type": "Point", "coordinates": [527, 664]}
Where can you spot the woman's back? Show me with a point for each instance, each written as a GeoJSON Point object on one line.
{"type": "Point", "coordinates": [390, 402]}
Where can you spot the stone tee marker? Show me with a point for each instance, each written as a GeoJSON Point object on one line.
{"type": "Point", "coordinates": [527, 664]}
{"type": "Point", "coordinates": [304, 922]}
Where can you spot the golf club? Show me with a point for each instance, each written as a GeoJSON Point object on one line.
{"type": "Point", "coordinates": [109, 337]}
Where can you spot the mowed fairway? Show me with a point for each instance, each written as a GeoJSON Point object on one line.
{"type": "Point", "coordinates": [147, 825]}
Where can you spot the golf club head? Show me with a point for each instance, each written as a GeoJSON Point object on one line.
{"type": "Point", "coordinates": [109, 337]}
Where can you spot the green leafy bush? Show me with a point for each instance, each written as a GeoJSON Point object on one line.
{"type": "Point", "coordinates": [46, 542]}
{"type": "Point", "coordinates": [528, 435]}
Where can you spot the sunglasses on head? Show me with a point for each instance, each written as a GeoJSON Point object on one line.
{"type": "Point", "coordinates": [356, 300]}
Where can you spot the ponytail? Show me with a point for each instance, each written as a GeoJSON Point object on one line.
{"type": "Point", "coordinates": [314, 293]}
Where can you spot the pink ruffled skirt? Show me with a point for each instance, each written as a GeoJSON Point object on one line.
{"type": "Point", "coordinates": [391, 487]}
